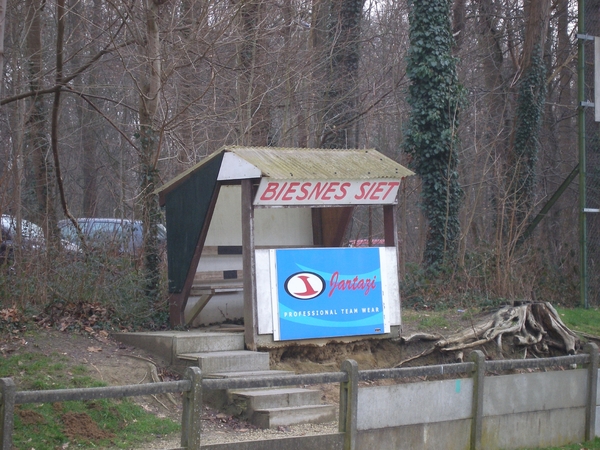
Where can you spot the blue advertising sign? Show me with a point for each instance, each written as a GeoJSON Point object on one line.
{"type": "Point", "coordinates": [329, 292]}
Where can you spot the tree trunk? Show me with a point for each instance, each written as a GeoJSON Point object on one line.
{"type": "Point", "coordinates": [89, 141]}
{"type": "Point", "coordinates": [255, 108]}
{"type": "Point", "coordinates": [523, 153]}
{"type": "Point", "coordinates": [431, 137]}
{"type": "Point", "coordinates": [149, 150]}
{"type": "Point", "coordinates": [340, 94]}
{"type": "Point", "coordinates": [2, 28]}
{"type": "Point", "coordinates": [537, 16]}
{"type": "Point", "coordinates": [37, 124]}
{"type": "Point", "coordinates": [459, 12]}
{"type": "Point", "coordinates": [562, 132]}
{"type": "Point", "coordinates": [335, 41]}
{"type": "Point", "coordinates": [496, 120]}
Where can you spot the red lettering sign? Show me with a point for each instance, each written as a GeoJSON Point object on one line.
{"type": "Point", "coordinates": [356, 284]}
{"type": "Point", "coordinates": [318, 192]}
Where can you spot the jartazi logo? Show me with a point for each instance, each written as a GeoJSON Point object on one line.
{"type": "Point", "coordinates": [304, 285]}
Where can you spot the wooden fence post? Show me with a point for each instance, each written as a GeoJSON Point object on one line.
{"type": "Point", "coordinates": [191, 417]}
{"type": "Point", "coordinates": [348, 404]}
{"type": "Point", "coordinates": [478, 358]}
{"type": "Point", "coordinates": [590, 414]}
{"type": "Point", "coordinates": [7, 411]}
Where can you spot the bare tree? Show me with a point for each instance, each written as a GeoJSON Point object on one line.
{"type": "Point", "coordinates": [38, 121]}
{"type": "Point", "coordinates": [2, 28]}
{"type": "Point", "coordinates": [254, 102]}
{"type": "Point", "coordinates": [150, 143]}
{"type": "Point", "coordinates": [340, 40]}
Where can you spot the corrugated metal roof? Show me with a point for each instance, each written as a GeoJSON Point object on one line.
{"type": "Point", "coordinates": [307, 164]}
{"type": "Point", "coordinates": [321, 164]}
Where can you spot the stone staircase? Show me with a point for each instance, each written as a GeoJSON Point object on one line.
{"type": "Point", "coordinates": [220, 354]}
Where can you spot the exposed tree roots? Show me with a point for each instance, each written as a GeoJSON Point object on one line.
{"type": "Point", "coordinates": [533, 326]}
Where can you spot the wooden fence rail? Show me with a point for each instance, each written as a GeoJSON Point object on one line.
{"type": "Point", "coordinates": [193, 385]}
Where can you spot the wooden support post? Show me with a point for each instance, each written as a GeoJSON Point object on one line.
{"type": "Point", "coordinates": [205, 296]}
{"type": "Point", "coordinates": [477, 409]}
{"type": "Point", "coordinates": [191, 417]}
{"type": "Point", "coordinates": [348, 404]}
{"type": "Point", "coordinates": [249, 265]}
{"type": "Point", "coordinates": [592, 388]}
{"type": "Point", "coordinates": [7, 411]}
{"type": "Point", "coordinates": [389, 225]}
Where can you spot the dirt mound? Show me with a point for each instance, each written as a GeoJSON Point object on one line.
{"type": "Point", "coordinates": [29, 417]}
{"type": "Point", "coordinates": [82, 426]}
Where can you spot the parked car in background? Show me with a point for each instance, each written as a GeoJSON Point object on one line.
{"type": "Point", "coordinates": [32, 238]}
{"type": "Point", "coordinates": [30, 232]}
{"type": "Point", "coordinates": [121, 236]}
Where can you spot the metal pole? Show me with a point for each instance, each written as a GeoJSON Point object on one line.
{"type": "Point", "coordinates": [582, 165]}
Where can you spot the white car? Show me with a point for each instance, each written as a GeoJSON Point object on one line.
{"type": "Point", "coordinates": [32, 237]}
{"type": "Point", "coordinates": [122, 235]}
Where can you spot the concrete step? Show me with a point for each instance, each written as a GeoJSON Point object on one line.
{"type": "Point", "coordinates": [169, 344]}
{"type": "Point", "coordinates": [249, 374]}
{"type": "Point", "coordinates": [261, 399]}
{"type": "Point", "coordinates": [228, 361]}
{"type": "Point", "coordinates": [276, 417]}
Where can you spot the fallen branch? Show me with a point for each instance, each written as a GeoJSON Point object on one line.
{"type": "Point", "coordinates": [423, 353]}
{"type": "Point", "coordinates": [421, 337]}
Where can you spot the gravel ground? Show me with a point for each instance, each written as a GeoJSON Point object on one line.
{"type": "Point", "coordinates": [213, 434]}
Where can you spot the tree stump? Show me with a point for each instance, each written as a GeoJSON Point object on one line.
{"type": "Point", "coordinates": [535, 326]}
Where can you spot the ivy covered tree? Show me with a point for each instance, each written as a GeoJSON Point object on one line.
{"type": "Point", "coordinates": [523, 153]}
{"type": "Point", "coordinates": [430, 138]}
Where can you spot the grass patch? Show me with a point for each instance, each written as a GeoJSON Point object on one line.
{"type": "Point", "coordinates": [432, 321]}
{"type": "Point", "coordinates": [581, 319]}
{"type": "Point", "coordinates": [96, 423]}
{"type": "Point", "coordinates": [426, 320]}
{"type": "Point", "coordinates": [595, 444]}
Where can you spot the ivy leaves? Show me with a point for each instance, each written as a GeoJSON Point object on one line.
{"type": "Point", "coordinates": [435, 96]}
{"type": "Point", "coordinates": [530, 108]}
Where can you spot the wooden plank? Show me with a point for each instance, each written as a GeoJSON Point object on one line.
{"type": "Point", "coordinates": [217, 250]}
{"type": "Point", "coordinates": [249, 265]}
{"type": "Point", "coordinates": [205, 296]}
{"type": "Point", "coordinates": [335, 221]}
{"type": "Point", "coordinates": [389, 225]}
{"type": "Point", "coordinates": [219, 287]}
{"type": "Point", "coordinates": [218, 275]}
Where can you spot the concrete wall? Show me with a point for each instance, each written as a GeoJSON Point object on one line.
{"type": "Point", "coordinates": [534, 410]}
{"type": "Point", "coordinates": [452, 435]}
{"type": "Point", "coordinates": [519, 411]}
